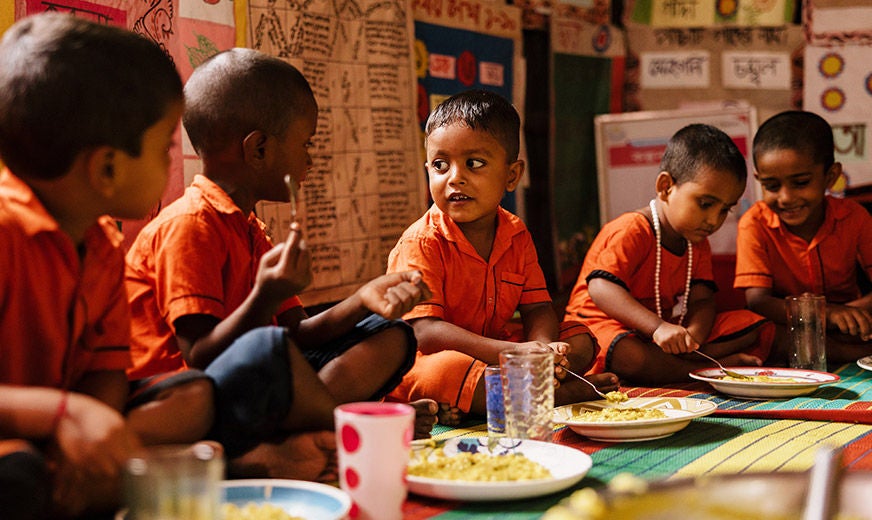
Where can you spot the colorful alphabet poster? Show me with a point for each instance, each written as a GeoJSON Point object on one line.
{"type": "Point", "coordinates": [838, 80]}
{"type": "Point", "coordinates": [467, 45]}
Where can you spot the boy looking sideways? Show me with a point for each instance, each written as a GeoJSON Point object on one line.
{"type": "Point", "coordinates": [88, 114]}
{"type": "Point", "coordinates": [211, 291]}
{"type": "Point", "coordinates": [480, 263]}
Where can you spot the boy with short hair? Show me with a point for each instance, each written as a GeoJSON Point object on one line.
{"type": "Point", "coordinates": [480, 263]}
{"type": "Point", "coordinates": [646, 286]}
{"type": "Point", "coordinates": [88, 113]}
{"type": "Point", "coordinates": [799, 239]}
{"type": "Point", "coordinates": [209, 290]}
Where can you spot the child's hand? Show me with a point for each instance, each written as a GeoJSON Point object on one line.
{"type": "Point", "coordinates": [560, 350]}
{"type": "Point", "coordinates": [92, 443]}
{"type": "Point", "coordinates": [286, 269]}
{"type": "Point", "coordinates": [674, 339]}
{"type": "Point", "coordinates": [392, 295]}
{"type": "Point", "coordinates": [855, 321]}
{"type": "Point", "coordinates": [93, 437]}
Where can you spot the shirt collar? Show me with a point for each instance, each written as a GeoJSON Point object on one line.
{"type": "Point", "coordinates": [19, 199]}
{"type": "Point", "coordinates": [217, 197]}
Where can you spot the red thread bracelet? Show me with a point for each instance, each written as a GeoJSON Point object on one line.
{"type": "Point", "coordinates": [59, 413]}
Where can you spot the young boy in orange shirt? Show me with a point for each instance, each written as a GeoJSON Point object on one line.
{"type": "Point", "coordinates": [799, 239]}
{"type": "Point", "coordinates": [480, 263]}
{"type": "Point", "coordinates": [209, 290]}
{"type": "Point", "coordinates": [88, 113]}
{"type": "Point", "coordinates": [646, 285]}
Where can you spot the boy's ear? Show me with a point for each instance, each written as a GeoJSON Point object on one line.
{"type": "Point", "coordinates": [663, 184]}
{"type": "Point", "coordinates": [255, 147]}
{"type": "Point", "coordinates": [833, 174]}
{"type": "Point", "coordinates": [101, 164]}
{"type": "Point", "coordinates": [516, 173]}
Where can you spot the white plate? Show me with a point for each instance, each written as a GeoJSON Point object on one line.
{"type": "Point", "coordinates": [567, 466]}
{"type": "Point", "coordinates": [808, 382]}
{"type": "Point", "coordinates": [679, 412]}
{"type": "Point", "coordinates": [865, 363]}
{"type": "Point", "coordinates": [308, 500]}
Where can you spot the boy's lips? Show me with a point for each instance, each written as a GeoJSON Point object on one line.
{"type": "Point", "coordinates": [458, 197]}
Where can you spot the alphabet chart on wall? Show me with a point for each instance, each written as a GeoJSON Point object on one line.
{"type": "Point", "coordinates": [366, 185]}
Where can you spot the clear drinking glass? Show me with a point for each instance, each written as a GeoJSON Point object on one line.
{"type": "Point", "coordinates": [807, 322]}
{"type": "Point", "coordinates": [176, 482]}
{"type": "Point", "coordinates": [528, 392]}
{"type": "Point", "coordinates": [496, 411]}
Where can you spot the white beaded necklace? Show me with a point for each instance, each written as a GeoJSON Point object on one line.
{"type": "Point", "coordinates": [656, 220]}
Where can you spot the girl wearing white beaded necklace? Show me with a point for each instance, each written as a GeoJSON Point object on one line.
{"type": "Point", "coordinates": [644, 262]}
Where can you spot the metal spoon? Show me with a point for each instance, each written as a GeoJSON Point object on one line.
{"type": "Point", "coordinates": [724, 370]}
{"type": "Point", "coordinates": [292, 189]}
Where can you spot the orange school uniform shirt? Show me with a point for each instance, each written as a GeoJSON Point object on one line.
{"type": "Point", "coordinates": [63, 312]}
{"type": "Point", "coordinates": [769, 255]}
{"type": "Point", "coordinates": [200, 255]}
{"type": "Point", "coordinates": [468, 291]}
{"type": "Point", "coordinates": [624, 252]}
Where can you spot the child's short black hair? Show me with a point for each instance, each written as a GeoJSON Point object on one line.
{"type": "Point", "coordinates": [481, 110]}
{"type": "Point", "coordinates": [697, 146]}
{"type": "Point", "coordinates": [239, 91]}
{"type": "Point", "coordinates": [68, 85]}
{"type": "Point", "coordinates": [805, 132]}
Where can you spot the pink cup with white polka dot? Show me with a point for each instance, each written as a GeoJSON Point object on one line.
{"type": "Point", "coordinates": [374, 441]}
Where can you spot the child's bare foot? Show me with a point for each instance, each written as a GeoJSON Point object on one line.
{"type": "Point", "coordinates": [571, 390]}
{"type": "Point", "coordinates": [741, 359]}
{"type": "Point", "coordinates": [301, 456]}
{"type": "Point", "coordinates": [449, 415]}
{"type": "Point", "coordinates": [425, 417]}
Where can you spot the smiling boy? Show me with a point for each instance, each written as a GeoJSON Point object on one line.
{"type": "Point", "coordinates": [799, 239]}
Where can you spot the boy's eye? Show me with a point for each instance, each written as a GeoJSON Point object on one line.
{"type": "Point", "coordinates": [801, 183]}
{"type": "Point", "coordinates": [474, 163]}
{"type": "Point", "coordinates": [771, 187]}
{"type": "Point", "coordinates": [704, 204]}
{"type": "Point", "coordinates": [439, 165]}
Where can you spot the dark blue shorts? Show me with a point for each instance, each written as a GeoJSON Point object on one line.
{"type": "Point", "coordinates": [145, 390]}
{"type": "Point", "coordinates": [254, 383]}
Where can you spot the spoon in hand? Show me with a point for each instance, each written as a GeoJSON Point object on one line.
{"type": "Point", "coordinates": [730, 373]}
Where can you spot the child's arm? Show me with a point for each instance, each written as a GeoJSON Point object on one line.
{"type": "Point", "coordinates": [761, 301]}
{"type": "Point", "coordinates": [390, 296]}
{"type": "Point", "coordinates": [91, 435]}
{"type": "Point", "coordinates": [435, 335]}
{"type": "Point", "coordinates": [107, 386]}
{"type": "Point", "coordinates": [853, 318]}
{"type": "Point", "coordinates": [701, 311]}
{"type": "Point", "coordinates": [617, 302]}
{"type": "Point", "coordinates": [284, 271]}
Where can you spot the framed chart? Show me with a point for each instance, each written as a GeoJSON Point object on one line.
{"type": "Point", "coordinates": [628, 151]}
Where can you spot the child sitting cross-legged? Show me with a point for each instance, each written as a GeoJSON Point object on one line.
{"type": "Point", "coordinates": [646, 286]}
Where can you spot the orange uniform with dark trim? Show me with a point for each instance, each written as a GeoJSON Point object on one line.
{"type": "Point", "coordinates": [200, 255]}
{"type": "Point", "coordinates": [63, 312]}
{"type": "Point", "coordinates": [769, 255]}
{"type": "Point", "coordinates": [624, 253]}
{"type": "Point", "coordinates": [468, 291]}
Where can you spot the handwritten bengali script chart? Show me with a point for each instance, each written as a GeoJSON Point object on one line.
{"type": "Point", "coordinates": [367, 184]}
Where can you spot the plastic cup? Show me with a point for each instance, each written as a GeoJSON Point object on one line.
{"type": "Point", "coordinates": [807, 323]}
{"type": "Point", "coordinates": [496, 411]}
{"type": "Point", "coordinates": [373, 441]}
{"type": "Point", "coordinates": [177, 482]}
{"type": "Point", "coordinates": [528, 392]}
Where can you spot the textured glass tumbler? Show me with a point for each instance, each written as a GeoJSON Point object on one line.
{"type": "Point", "coordinates": [807, 323]}
{"type": "Point", "coordinates": [174, 482]}
{"type": "Point", "coordinates": [528, 392]}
